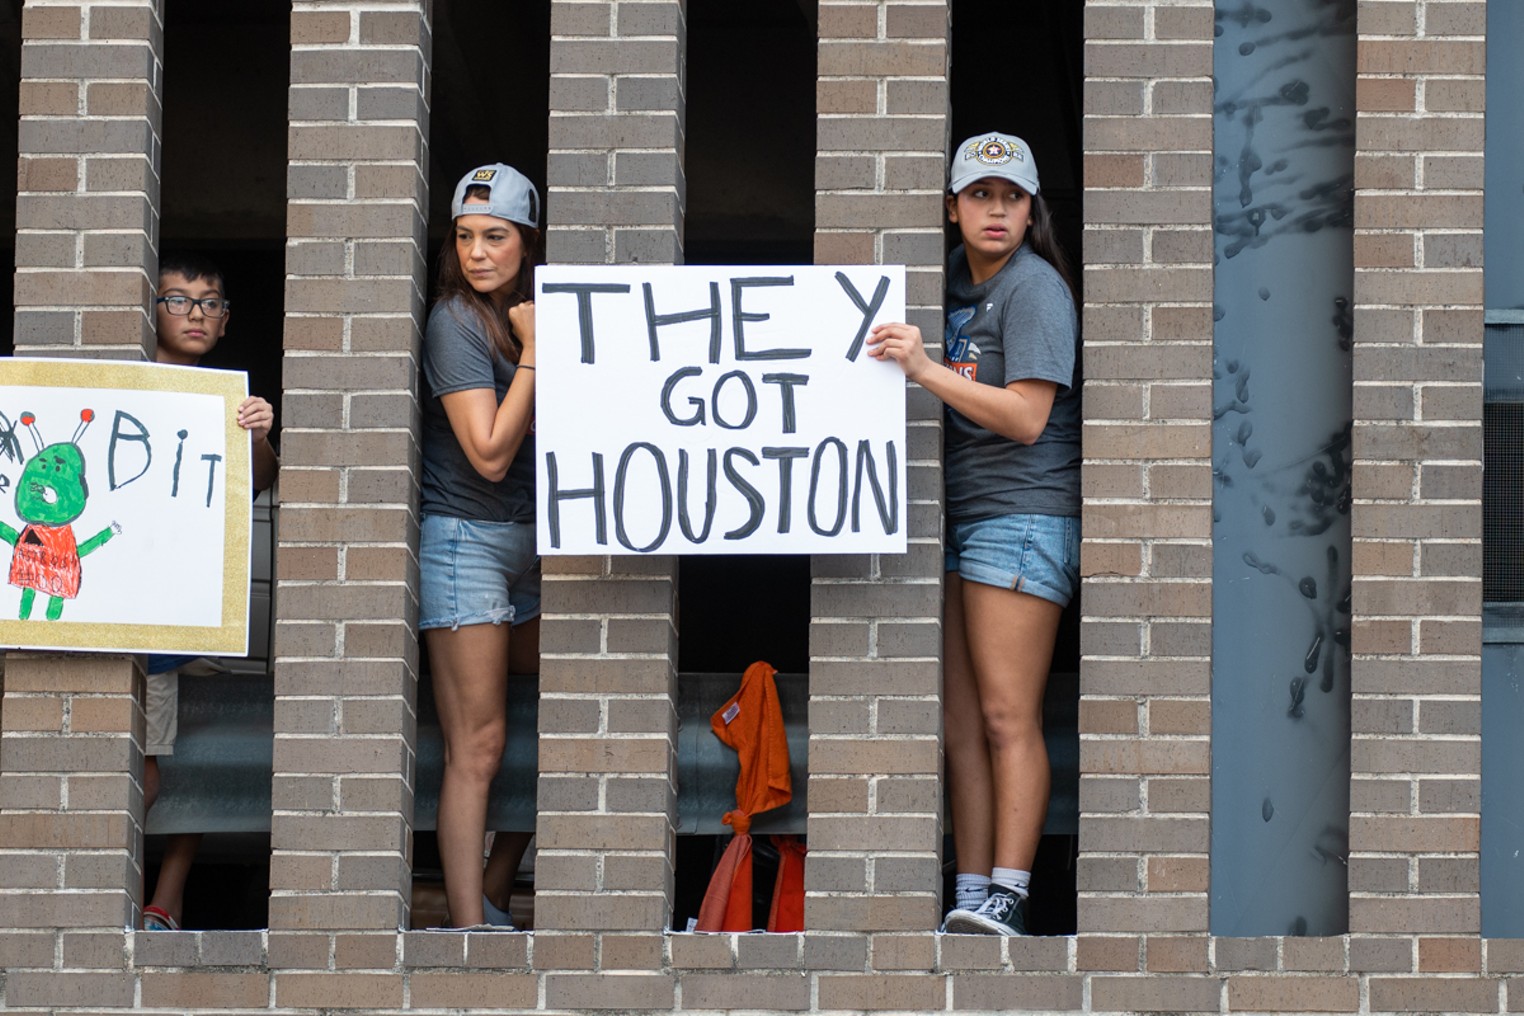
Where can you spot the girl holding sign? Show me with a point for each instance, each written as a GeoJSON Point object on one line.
{"type": "Point", "coordinates": [479, 598]}
{"type": "Point", "coordinates": [1009, 380]}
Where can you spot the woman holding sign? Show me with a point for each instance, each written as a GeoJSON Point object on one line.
{"type": "Point", "coordinates": [479, 598]}
{"type": "Point", "coordinates": [1010, 383]}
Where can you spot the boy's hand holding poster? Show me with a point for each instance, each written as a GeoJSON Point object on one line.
{"type": "Point", "coordinates": [125, 507]}
{"type": "Point", "coordinates": [718, 410]}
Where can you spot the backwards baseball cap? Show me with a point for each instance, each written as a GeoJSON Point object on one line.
{"type": "Point", "coordinates": [999, 155]}
{"type": "Point", "coordinates": [510, 195]}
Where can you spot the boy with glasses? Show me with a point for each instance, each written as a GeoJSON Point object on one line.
{"type": "Point", "coordinates": [191, 313]}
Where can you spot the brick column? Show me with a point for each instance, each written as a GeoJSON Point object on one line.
{"type": "Point", "coordinates": [608, 672]}
{"type": "Point", "coordinates": [1145, 716]}
{"type": "Point", "coordinates": [346, 669]}
{"type": "Point", "coordinates": [1416, 755]}
{"type": "Point", "coordinates": [71, 754]}
{"type": "Point", "coordinates": [875, 793]}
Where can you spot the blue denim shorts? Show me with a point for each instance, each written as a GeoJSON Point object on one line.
{"type": "Point", "coordinates": [1035, 554]}
{"type": "Point", "coordinates": [477, 572]}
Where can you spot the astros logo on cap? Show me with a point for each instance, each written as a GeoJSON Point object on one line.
{"type": "Point", "coordinates": [483, 175]}
{"type": "Point", "coordinates": [994, 151]}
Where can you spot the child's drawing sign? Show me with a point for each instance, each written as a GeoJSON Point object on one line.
{"type": "Point", "coordinates": [718, 410]}
{"type": "Point", "coordinates": [50, 495]}
{"type": "Point", "coordinates": [125, 507]}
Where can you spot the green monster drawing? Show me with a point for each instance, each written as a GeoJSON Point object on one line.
{"type": "Point", "coordinates": [51, 494]}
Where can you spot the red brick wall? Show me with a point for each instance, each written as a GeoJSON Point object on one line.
{"type": "Point", "coordinates": [71, 727]}
{"type": "Point", "coordinates": [608, 672]}
{"type": "Point", "coordinates": [1145, 718]}
{"type": "Point", "coordinates": [875, 822]}
{"type": "Point", "coordinates": [346, 667]}
{"type": "Point", "coordinates": [1416, 753]}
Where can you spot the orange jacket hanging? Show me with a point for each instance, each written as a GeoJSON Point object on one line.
{"type": "Point", "coordinates": [751, 722]}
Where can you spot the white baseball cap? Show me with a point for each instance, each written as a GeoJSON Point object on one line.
{"type": "Point", "coordinates": [510, 195]}
{"type": "Point", "coordinates": [1002, 156]}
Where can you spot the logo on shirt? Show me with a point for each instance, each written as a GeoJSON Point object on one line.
{"type": "Point", "coordinates": [962, 352]}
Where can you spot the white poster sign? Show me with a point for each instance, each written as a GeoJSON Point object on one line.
{"type": "Point", "coordinates": [125, 502]}
{"type": "Point", "coordinates": [718, 410]}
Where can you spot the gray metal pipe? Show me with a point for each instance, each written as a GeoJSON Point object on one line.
{"type": "Point", "coordinates": [218, 780]}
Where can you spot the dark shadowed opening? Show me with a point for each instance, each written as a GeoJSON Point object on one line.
{"type": "Point", "coordinates": [750, 165]}
{"type": "Point", "coordinates": [223, 194]}
{"type": "Point", "coordinates": [1034, 89]}
{"type": "Point", "coordinates": [10, 98]}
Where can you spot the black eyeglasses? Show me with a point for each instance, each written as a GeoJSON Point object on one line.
{"type": "Point", "coordinates": [179, 306]}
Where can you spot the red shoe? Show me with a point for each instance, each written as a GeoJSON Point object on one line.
{"type": "Point", "coordinates": [156, 919]}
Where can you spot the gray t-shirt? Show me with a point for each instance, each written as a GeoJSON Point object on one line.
{"type": "Point", "coordinates": [1018, 325]}
{"type": "Point", "coordinates": [457, 356]}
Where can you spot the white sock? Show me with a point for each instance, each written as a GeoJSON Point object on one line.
{"type": "Point", "coordinates": [1014, 879]}
{"type": "Point", "coordinates": [970, 890]}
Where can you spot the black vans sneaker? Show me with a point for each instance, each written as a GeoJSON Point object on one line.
{"type": "Point", "coordinates": [1004, 913]}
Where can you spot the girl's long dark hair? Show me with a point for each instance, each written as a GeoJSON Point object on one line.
{"type": "Point", "coordinates": [453, 283]}
{"type": "Point", "coordinates": [1043, 237]}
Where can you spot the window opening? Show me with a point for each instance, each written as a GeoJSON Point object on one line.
{"type": "Point", "coordinates": [226, 201]}
{"type": "Point", "coordinates": [10, 98]}
{"type": "Point", "coordinates": [1049, 81]}
{"type": "Point", "coordinates": [489, 97]}
{"type": "Point", "coordinates": [751, 200]}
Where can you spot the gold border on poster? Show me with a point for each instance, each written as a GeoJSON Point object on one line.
{"type": "Point", "coordinates": [231, 638]}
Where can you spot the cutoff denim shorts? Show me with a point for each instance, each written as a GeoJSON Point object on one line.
{"type": "Point", "coordinates": [477, 572]}
{"type": "Point", "coordinates": [1034, 554]}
